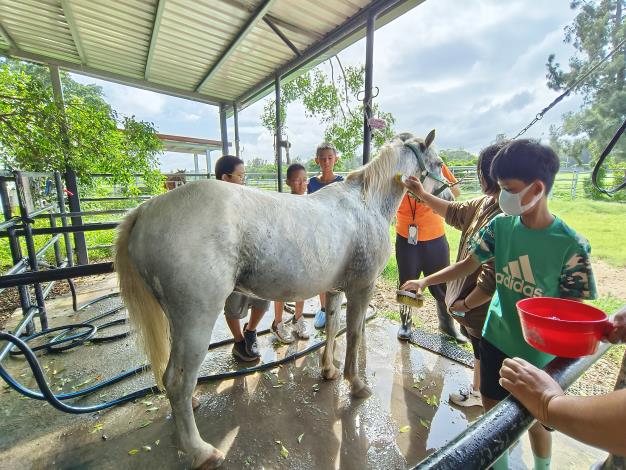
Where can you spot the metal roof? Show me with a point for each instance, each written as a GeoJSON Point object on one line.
{"type": "Point", "coordinates": [183, 144]}
{"type": "Point", "coordinates": [212, 51]}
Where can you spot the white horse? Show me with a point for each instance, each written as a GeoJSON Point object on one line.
{"type": "Point", "coordinates": [179, 256]}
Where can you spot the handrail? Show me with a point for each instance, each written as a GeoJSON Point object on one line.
{"type": "Point", "coordinates": [481, 444]}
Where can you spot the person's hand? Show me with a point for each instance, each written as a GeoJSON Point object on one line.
{"type": "Point", "coordinates": [417, 285]}
{"type": "Point", "coordinates": [413, 184]}
{"type": "Point", "coordinates": [459, 306]}
{"type": "Point", "coordinates": [533, 387]}
{"type": "Point", "coordinates": [618, 333]}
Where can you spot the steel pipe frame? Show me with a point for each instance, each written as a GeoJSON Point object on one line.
{"type": "Point", "coordinates": [33, 277]}
{"type": "Point", "coordinates": [378, 8]}
{"type": "Point", "coordinates": [279, 136]}
{"type": "Point", "coordinates": [55, 230]}
{"type": "Point", "coordinates": [16, 251]}
{"type": "Point", "coordinates": [223, 129]}
{"type": "Point", "coordinates": [367, 99]}
{"type": "Point", "coordinates": [33, 261]}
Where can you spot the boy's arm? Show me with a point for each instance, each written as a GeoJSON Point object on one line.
{"type": "Point", "coordinates": [455, 271]}
{"type": "Point", "coordinates": [577, 280]}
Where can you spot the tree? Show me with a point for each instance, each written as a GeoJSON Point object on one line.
{"type": "Point", "coordinates": [597, 28]}
{"type": "Point", "coordinates": [333, 101]}
{"type": "Point", "coordinates": [90, 137]}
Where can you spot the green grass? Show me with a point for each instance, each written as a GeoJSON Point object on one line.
{"type": "Point", "coordinates": [602, 223]}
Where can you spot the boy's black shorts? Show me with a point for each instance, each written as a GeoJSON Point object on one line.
{"type": "Point", "coordinates": [491, 359]}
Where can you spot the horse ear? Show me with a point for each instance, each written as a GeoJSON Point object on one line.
{"type": "Point", "coordinates": [429, 138]}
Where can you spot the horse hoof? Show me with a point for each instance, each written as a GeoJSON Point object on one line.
{"type": "Point", "coordinates": [330, 373]}
{"type": "Point", "coordinates": [363, 392]}
{"type": "Point", "coordinates": [195, 403]}
{"type": "Point", "coordinates": [214, 461]}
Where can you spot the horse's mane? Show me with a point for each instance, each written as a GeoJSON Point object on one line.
{"type": "Point", "coordinates": [375, 174]}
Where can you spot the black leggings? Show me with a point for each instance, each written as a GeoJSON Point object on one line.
{"type": "Point", "coordinates": [426, 257]}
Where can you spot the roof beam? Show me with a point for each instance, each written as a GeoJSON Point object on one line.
{"type": "Point", "coordinates": [155, 32]}
{"type": "Point", "coordinates": [7, 37]}
{"type": "Point", "coordinates": [258, 14]}
{"type": "Point", "coordinates": [111, 76]}
{"type": "Point", "coordinates": [282, 36]}
{"type": "Point", "coordinates": [345, 34]}
{"type": "Point", "coordinates": [71, 22]}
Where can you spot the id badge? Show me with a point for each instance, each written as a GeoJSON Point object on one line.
{"type": "Point", "coordinates": [412, 234]}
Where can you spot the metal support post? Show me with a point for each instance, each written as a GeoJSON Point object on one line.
{"type": "Point", "coordinates": [74, 201]}
{"type": "Point", "coordinates": [208, 163]}
{"type": "Point", "coordinates": [30, 246]}
{"type": "Point", "coordinates": [69, 250]}
{"type": "Point", "coordinates": [367, 99]}
{"type": "Point", "coordinates": [16, 254]}
{"type": "Point", "coordinates": [279, 137]}
{"type": "Point", "coordinates": [223, 129]}
{"type": "Point", "coordinates": [70, 178]}
{"type": "Point", "coordinates": [196, 166]}
{"type": "Point", "coordinates": [236, 119]}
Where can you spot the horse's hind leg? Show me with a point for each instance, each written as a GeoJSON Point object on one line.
{"type": "Point", "coordinates": [355, 320]}
{"type": "Point", "coordinates": [191, 335]}
{"type": "Point", "coordinates": [333, 312]}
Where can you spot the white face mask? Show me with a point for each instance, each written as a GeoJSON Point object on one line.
{"type": "Point", "coordinates": [512, 203]}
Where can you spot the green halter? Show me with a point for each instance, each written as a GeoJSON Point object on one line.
{"type": "Point", "coordinates": [424, 173]}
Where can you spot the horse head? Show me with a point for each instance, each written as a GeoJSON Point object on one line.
{"type": "Point", "coordinates": [419, 159]}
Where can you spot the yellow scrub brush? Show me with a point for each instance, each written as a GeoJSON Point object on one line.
{"type": "Point", "coordinates": [411, 299]}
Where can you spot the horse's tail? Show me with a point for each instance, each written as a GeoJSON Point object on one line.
{"type": "Point", "coordinates": [144, 311]}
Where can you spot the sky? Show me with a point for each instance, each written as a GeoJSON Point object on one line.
{"type": "Point", "coordinates": [471, 70]}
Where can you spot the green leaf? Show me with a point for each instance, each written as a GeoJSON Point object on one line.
{"type": "Point", "coordinates": [406, 428]}
{"type": "Point", "coordinates": [145, 424]}
{"type": "Point", "coordinates": [154, 408]}
{"type": "Point", "coordinates": [283, 451]}
{"type": "Point", "coordinates": [425, 423]}
{"type": "Point", "coordinates": [300, 438]}
{"type": "Point", "coordinates": [133, 451]}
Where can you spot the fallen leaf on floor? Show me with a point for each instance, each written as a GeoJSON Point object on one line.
{"type": "Point", "coordinates": [300, 438]}
{"type": "Point", "coordinates": [406, 428]}
{"type": "Point", "coordinates": [145, 424]}
{"type": "Point", "coordinates": [133, 451]}
{"type": "Point", "coordinates": [425, 423]}
{"type": "Point", "coordinates": [146, 448]}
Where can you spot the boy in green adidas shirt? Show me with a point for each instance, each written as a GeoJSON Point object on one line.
{"type": "Point", "coordinates": [535, 255]}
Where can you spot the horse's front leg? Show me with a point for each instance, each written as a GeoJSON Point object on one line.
{"type": "Point", "coordinates": [333, 311]}
{"type": "Point", "coordinates": [191, 335]}
{"type": "Point", "coordinates": [358, 301]}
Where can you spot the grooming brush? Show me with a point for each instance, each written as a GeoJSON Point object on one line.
{"type": "Point", "coordinates": [411, 299]}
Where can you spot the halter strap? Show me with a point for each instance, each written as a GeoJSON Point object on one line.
{"type": "Point", "coordinates": [424, 173]}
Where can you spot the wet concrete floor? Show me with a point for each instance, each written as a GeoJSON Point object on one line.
{"type": "Point", "coordinates": [287, 417]}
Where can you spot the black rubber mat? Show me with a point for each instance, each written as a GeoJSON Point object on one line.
{"type": "Point", "coordinates": [443, 345]}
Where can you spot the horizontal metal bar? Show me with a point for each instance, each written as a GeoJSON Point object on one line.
{"type": "Point", "coordinates": [70, 229]}
{"type": "Point", "coordinates": [99, 247]}
{"type": "Point", "coordinates": [84, 213]}
{"type": "Point", "coordinates": [36, 174]}
{"type": "Point", "coordinates": [95, 199]}
{"type": "Point", "coordinates": [10, 223]}
{"type": "Point", "coordinates": [55, 274]}
{"type": "Point", "coordinates": [42, 210]}
{"type": "Point", "coordinates": [480, 445]}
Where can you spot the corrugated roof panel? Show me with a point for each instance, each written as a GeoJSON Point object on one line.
{"type": "Point", "coordinates": [121, 35]}
{"type": "Point", "coordinates": [39, 27]}
{"type": "Point", "coordinates": [115, 39]}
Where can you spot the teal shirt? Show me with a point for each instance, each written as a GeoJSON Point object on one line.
{"type": "Point", "coordinates": [549, 262]}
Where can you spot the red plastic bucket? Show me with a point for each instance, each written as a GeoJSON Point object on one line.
{"type": "Point", "coordinates": [561, 327]}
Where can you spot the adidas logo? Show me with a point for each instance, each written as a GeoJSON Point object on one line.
{"type": "Point", "coordinates": [518, 276]}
